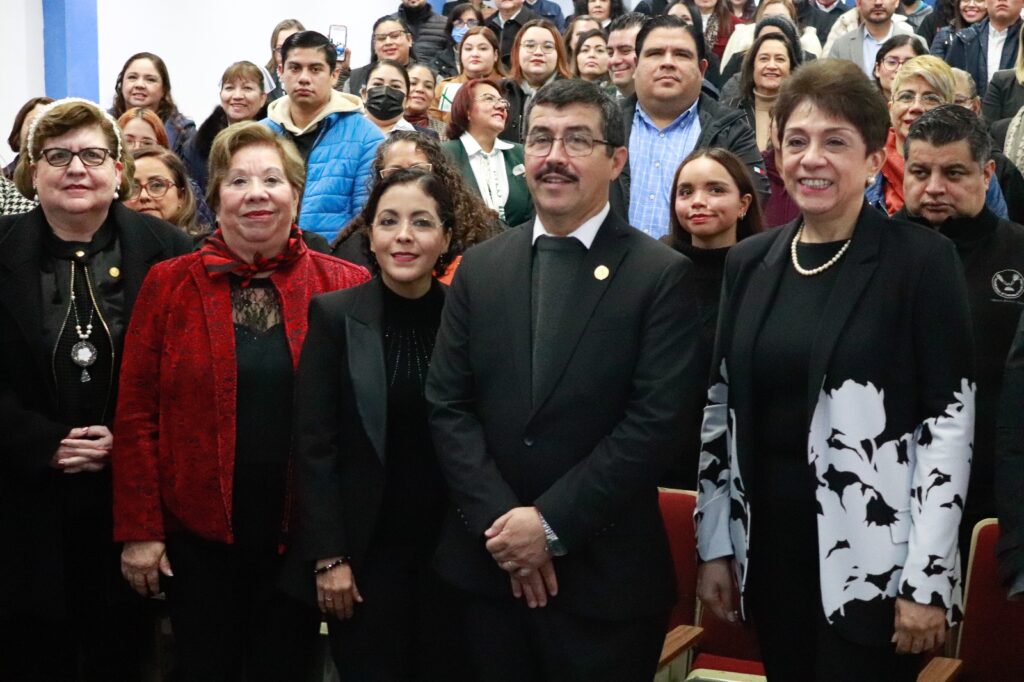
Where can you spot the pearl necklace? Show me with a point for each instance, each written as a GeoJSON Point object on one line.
{"type": "Point", "coordinates": [821, 268]}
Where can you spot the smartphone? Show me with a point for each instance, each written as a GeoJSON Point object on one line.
{"type": "Point", "coordinates": [338, 34]}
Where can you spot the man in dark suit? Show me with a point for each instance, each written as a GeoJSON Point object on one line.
{"type": "Point", "coordinates": [563, 369]}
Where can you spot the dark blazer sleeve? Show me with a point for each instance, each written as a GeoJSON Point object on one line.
{"type": "Point", "coordinates": [32, 438]}
{"type": "Point", "coordinates": [318, 440]}
{"type": "Point", "coordinates": [1009, 472]}
{"type": "Point", "coordinates": [477, 486]}
{"type": "Point", "coordinates": [666, 388]}
{"type": "Point", "coordinates": [1003, 97]}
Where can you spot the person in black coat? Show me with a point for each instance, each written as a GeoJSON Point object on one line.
{"type": "Point", "coordinates": [429, 36]}
{"type": "Point", "coordinates": [70, 270]}
{"type": "Point", "coordinates": [840, 420]}
{"type": "Point", "coordinates": [371, 494]}
{"type": "Point", "coordinates": [714, 205]}
{"type": "Point", "coordinates": [1010, 470]}
{"type": "Point", "coordinates": [992, 252]}
{"type": "Point", "coordinates": [552, 452]}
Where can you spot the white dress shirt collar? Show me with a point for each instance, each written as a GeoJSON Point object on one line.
{"type": "Point", "coordinates": [585, 232]}
{"type": "Point", "coordinates": [473, 147]}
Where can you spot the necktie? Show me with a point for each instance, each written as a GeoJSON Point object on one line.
{"type": "Point", "coordinates": [555, 264]}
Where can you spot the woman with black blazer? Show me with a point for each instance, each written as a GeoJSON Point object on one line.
{"type": "Point", "coordinates": [491, 167]}
{"type": "Point", "coordinates": [837, 437]}
{"type": "Point", "coordinates": [371, 496]}
{"type": "Point", "coordinates": [70, 272]}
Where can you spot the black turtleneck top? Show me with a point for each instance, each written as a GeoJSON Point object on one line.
{"type": "Point", "coordinates": [85, 395]}
{"type": "Point", "coordinates": [414, 492]}
{"type": "Point", "coordinates": [706, 284]}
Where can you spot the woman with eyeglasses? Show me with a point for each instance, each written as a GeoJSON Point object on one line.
{"type": "Point", "coordinates": [538, 58]}
{"type": "Point", "coordinates": [492, 167]}
{"type": "Point", "coordinates": [370, 492]}
{"type": "Point", "coordinates": [161, 189]}
{"type": "Point", "coordinates": [404, 150]}
{"type": "Point", "coordinates": [392, 40]}
{"type": "Point", "coordinates": [141, 128]}
{"type": "Point", "coordinates": [920, 85]}
{"type": "Point", "coordinates": [462, 18]}
{"type": "Point", "coordinates": [893, 53]}
{"type": "Point", "coordinates": [72, 268]}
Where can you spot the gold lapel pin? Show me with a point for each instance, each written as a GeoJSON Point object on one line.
{"type": "Point", "coordinates": [115, 272]}
{"type": "Point", "coordinates": [601, 272]}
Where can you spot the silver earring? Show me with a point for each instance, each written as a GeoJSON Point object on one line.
{"type": "Point", "coordinates": [117, 194]}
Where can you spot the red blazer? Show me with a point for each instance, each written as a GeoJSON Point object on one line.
{"type": "Point", "coordinates": [174, 449]}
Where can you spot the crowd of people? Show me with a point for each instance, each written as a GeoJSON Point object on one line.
{"type": "Point", "coordinates": [409, 347]}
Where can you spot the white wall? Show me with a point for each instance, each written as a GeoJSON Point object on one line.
{"type": "Point", "coordinates": [199, 38]}
{"type": "Point", "coordinates": [21, 69]}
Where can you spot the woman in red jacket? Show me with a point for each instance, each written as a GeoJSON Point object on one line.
{"type": "Point", "coordinates": [201, 467]}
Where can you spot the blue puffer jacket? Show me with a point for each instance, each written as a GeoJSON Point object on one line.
{"type": "Point", "coordinates": [338, 171]}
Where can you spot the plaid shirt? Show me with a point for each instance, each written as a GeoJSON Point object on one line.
{"type": "Point", "coordinates": [654, 155]}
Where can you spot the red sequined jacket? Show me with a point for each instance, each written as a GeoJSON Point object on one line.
{"type": "Point", "coordinates": [174, 434]}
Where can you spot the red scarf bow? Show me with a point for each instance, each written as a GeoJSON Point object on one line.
{"type": "Point", "coordinates": [219, 259]}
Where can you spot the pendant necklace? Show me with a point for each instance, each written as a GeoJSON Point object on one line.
{"type": "Point", "coordinates": [84, 352]}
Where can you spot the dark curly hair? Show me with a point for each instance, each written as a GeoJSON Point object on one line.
{"type": "Point", "coordinates": [473, 222]}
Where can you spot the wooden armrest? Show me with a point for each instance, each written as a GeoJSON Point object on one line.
{"type": "Point", "coordinates": [941, 669]}
{"type": "Point", "coordinates": [677, 641]}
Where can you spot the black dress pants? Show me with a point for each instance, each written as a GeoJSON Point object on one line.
{"type": "Point", "coordinates": [784, 595]}
{"type": "Point", "coordinates": [102, 636]}
{"type": "Point", "coordinates": [230, 620]}
{"type": "Point", "coordinates": [513, 643]}
{"type": "Point", "coordinates": [408, 626]}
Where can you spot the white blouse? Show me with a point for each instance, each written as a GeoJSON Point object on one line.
{"type": "Point", "coordinates": [489, 171]}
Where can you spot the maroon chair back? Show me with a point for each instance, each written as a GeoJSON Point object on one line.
{"type": "Point", "coordinates": [677, 508]}
{"type": "Point", "coordinates": [991, 642]}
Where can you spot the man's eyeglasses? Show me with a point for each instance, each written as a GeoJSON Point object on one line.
{"type": "Point", "coordinates": [90, 156]}
{"type": "Point", "coordinates": [576, 144]}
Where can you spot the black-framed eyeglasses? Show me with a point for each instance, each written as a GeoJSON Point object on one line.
{"type": "Point", "coordinates": [155, 187]}
{"type": "Point", "coordinates": [391, 170]}
{"type": "Point", "coordinates": [393, 35]}
{"type": "Point", "coordinates": [90, 156]}
{"type": "Point", "coordinates": [576, 144]}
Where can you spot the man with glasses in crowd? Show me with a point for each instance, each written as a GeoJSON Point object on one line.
{"type": "Point", "coordinates": [563, 371]}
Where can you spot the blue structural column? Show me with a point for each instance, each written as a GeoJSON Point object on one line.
{"type": "Point", "coordinates": [71, 48]}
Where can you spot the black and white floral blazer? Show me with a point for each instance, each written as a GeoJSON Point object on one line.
{"type": "Point", "coordinates": [891, 395]}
